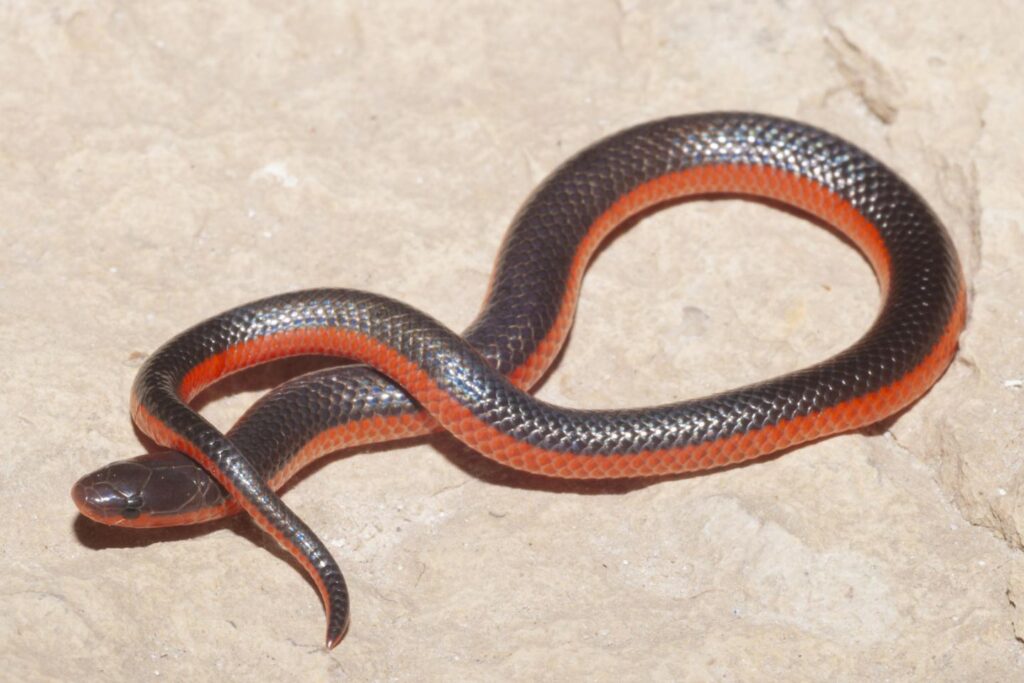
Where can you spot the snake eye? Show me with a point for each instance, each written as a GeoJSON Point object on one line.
{"type": "Point", "coordinates": [132, 507]}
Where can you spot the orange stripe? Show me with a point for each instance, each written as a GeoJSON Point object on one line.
{"type": "Point", "coordinates": [760, 181]}
{"type": "Point", "coordinates": [461, 422]}
{"type": "Point", "coordinates": [845, 416]}
{"type": "Point", "coordinates": [150, 521]}
{"type": "Point", "coordinates": [376, 429]}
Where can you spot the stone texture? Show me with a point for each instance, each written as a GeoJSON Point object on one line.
{"type": "Point", "coordinates": [163, 161]}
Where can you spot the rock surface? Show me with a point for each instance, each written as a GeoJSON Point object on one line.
{"type": "Point", "coordinates": [163, 161]}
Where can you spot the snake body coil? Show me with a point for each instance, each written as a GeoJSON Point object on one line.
{"type": "Point", "coordinates": [422, 375]}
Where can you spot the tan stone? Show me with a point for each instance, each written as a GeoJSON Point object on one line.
{"type": "Point", "coordinates": [163, 161]}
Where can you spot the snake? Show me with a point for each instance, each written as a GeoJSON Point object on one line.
{"type": "Point", "coordinates": [414, 375]}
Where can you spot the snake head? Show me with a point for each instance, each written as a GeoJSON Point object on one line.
{"type": "Point", "coordinates": [158, 489]}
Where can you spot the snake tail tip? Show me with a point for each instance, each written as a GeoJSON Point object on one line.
{"type": "Point", "coordinates": [336, 634]}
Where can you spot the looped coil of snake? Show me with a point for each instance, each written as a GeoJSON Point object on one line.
{"type": "Point", "coordinates": [420, 376]}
